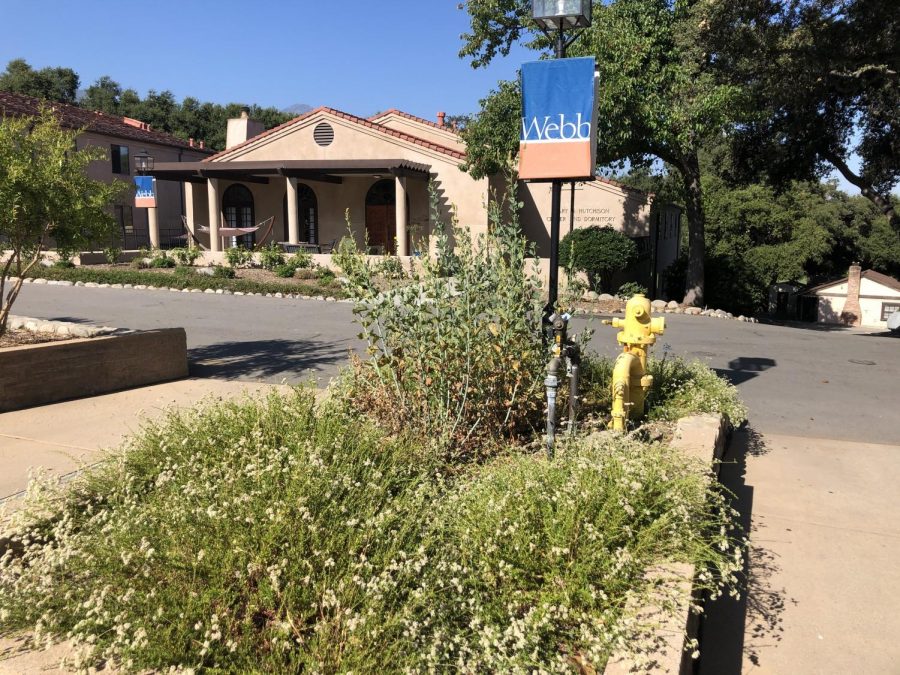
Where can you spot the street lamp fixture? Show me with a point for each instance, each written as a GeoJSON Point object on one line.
{"type": "Point", "coordinates": [555, 14]}
{"type": "Point", "coordinates": [143, 162]}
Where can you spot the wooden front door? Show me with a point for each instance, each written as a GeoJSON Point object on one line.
{"type": "Point", "coordinates": [381, 226]}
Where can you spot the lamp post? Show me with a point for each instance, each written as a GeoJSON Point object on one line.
{"type": "Point", "coordinates": [558, 16]}
{"type": "Point", "coordinates": [143, 164]}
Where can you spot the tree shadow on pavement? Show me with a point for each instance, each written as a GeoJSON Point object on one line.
{"type": "Point", "coordinates": [731, 629]}
{"type": "Point", "coordinates": [745, 368]}
{"type": "Point", "coordinates": [274, 360]}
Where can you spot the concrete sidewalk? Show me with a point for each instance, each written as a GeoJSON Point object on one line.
{"type": "Point", "coordinates": [823, 574]}
{"type": "Point", "coordinates": [62, 437]}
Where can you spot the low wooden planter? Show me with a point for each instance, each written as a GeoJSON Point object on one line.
{"type": "Point", "coordinates": [37, 374]}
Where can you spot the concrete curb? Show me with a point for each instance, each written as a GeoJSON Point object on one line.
{"type": "Point", "coordinates": [702, 438]}
{"type": "Point", "coordinates": [55, 371]}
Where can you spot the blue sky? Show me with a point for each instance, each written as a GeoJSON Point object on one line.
{"type": "Point", "coordinates": [360, 56]}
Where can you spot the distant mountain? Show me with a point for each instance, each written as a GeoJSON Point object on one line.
{"type": "Point", "coordinates": [297, 109]}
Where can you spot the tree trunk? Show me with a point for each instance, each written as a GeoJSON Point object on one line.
{"type": "Point", "coordinates": [695, 280]}
{"type": "Point", "coordinates": [884, 203]}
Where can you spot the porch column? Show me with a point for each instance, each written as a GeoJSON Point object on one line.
{"type": "Point", "coordinates": [401, 215]}
{"type": "Point", "coordinates": [212, 195]}
{"type": "Point", "coordinates": [292, 213]}
{"type": "Point", "coordinates": [189, 211]}
{"type": "Point", "coordinates": [153, 226]}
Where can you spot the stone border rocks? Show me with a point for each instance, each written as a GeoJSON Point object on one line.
{"type": "Point", "coordinates": [60, 328]}
{"type": "Point", "coordinates": [207, 291]}
{"type": "Point", "coordinates": [660, 306]}
{"type": "Point", "coordinates": [674, 632]}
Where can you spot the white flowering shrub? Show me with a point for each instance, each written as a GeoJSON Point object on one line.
{"type": "Point", "coordinates": [277, 537]}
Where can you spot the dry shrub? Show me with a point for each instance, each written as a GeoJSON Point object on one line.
{"type": "Point", "coordinates": [457, 359]}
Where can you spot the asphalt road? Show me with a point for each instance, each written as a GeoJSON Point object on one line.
{"type": "Point", "coordinates": [840, 384]}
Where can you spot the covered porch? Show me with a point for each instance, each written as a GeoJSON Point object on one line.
{"type": "Point", "coordinates": [304, 204]}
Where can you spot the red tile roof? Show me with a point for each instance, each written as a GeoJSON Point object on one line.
{"type": "Point", "coordinates": [356, 120]}
{"type": "Point", "coordinates": [422, 120]}
{"type": "Point", "coordinates": [73, 117]}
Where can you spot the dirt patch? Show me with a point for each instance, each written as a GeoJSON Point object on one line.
{"type": "Point", "coordinates": [17, 338]}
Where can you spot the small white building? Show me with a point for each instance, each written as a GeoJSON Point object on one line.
{"type": "Point", "coordinates": [859, 299]}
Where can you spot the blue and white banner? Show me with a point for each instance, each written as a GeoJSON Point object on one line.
{"type": "Point", "coordinates": [145, 192]}
{"type": "Point", "coordinates": [559, 119]}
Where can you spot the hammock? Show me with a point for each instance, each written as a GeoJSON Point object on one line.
{"type": "Point", "coordinates": [235, 231]}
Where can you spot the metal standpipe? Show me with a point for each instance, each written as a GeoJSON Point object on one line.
{"type": "Point", "coordinates": [562, 350]}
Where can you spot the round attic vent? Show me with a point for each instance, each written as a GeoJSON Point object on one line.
{"type": "Point", "coordinates": [323, 133]}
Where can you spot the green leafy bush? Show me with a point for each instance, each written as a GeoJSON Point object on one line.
{"type": "Point", "coordinates": [390, 267]}
{"type": "Point", "coordinates": [325, 275]}
{"type": "Point", "coordinates": [238, 256]}
{"type": "Point", "coordinates": [460, 360]}
{"type": "Point", "coordinates": [186, 256]}
{"type": "Point", "coordinates": [65, 263]}
{"type": "Point", "coordinates": [161, 259]}
{"type": "Point", "coordinates": [112, 253]}
{"type": "Point", "coordinates": [599, 252]}
{"type": "Point", "coordinates": [284, 271]}
{"type": "Point", "coordinates": [682, 388]}
{"type": "Point", "coordinates": [276, 537]}
{"type": "Point", "coordinates": [629, 289]}
{"type": "Point", "coordinates": [165, 278]}
{"type": "Point", "coordinates": [221, 272]}
{"type": "Point", "coordinates": [301, 260]}
{"type": "Point", "coordinates": [271, 256]}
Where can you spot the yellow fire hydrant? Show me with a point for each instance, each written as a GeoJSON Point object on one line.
{"type": "Point", "coordinates": [630, 382]}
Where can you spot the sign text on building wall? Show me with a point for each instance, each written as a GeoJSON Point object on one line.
{"type": "Point", "coordinates": [557, 137]}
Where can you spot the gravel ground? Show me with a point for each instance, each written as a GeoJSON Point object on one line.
{"type": "Point", "coordinates": [17, 338]}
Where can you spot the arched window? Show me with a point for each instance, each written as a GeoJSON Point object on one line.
{"type": "Point", "coordinates": [308, 209]}
{"type": "Point", "coordinates": [237, 205]}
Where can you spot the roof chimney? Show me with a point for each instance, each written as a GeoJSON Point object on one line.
{"type": "Point", "coordinates": [191, 142]}
{"type": "Point", "coordinates": [440, 118]}
{"type": "Point", "coordinates": [202, 145]}
{"type": "Point", "coordinates": [241, 129]}
{"type": "Point", "coordinates": [851, 314]}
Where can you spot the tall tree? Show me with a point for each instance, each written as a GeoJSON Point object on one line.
{"type": "Point", "coordinates": [104, 95]}
{"type": "Point", "coordinates": [52, 84]}
{"type": "Point", "coordinates": [825, 78]}
{"type": "Point", "coordinates": [492, 136]}
{"type": "Point", "coordinates": [659, 93]}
